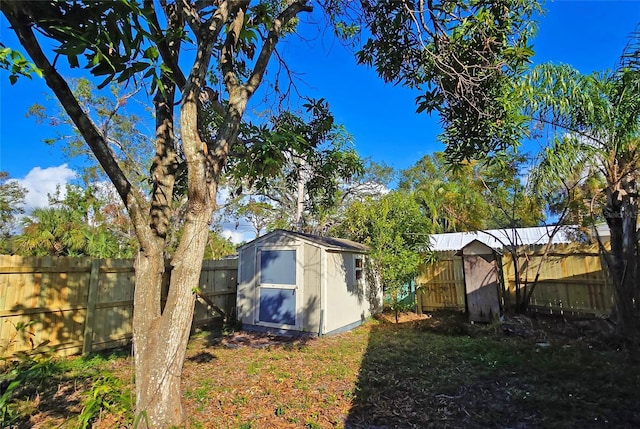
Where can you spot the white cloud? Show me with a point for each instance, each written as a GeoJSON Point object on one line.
{"type": "Point", "coordinates": [237, 237]}
{"type": "Point", "coordinates": [223, 195]}
{"type": "Point", "coordinates": [42, 181]}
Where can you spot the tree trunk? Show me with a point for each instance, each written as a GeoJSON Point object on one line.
{"type": "Point", "coordinates": [161, 342]}
{"type": "Point", "coordinates": [160, 335]}
{"type": "Point", "coordinates": [621, 214]}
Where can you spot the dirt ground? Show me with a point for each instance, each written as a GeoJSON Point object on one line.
{"type": "Point", "coordinates": [255, 380]}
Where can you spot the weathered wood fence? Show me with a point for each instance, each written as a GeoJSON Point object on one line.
{"type": "Point", "coordinates": [79, 305]}
{"type": "Point", "coordinates": [571, 280]}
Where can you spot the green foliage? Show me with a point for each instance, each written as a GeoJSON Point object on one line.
{"type": "Point", "coordinates": [11, 200]}
{"type": "Point", "coordinates": [461, 55]}
{"type": "Point", "coordinates": [259, 214]}
{"type": "Point", "coordinates": [218, 246]}
{"type": "Point", "coordinates": [594, 130]}
{"type": "Point", "coordinates": [109, 109]}
{"type": "Point", "coordinates": [77, 225]}
{"type": "Point", "coordinates": [175, 50]}
{"type": "Point", "coordinates": [274, 160]}
{"type": "Point", "coordinates": [17, 65]}
{"type": "Point", "coordinates": [37, 374]}
{"type": "Point", "coordinates": [107, 394]}
{"type": "Point", "coordinates": [592, 120]}
{"type": "Point", "coordinates": [110, 47]}
{"type": "Point", "coordinates": [25, 371]}
{"type": "Point", "coordinates": [396, 231]}
{"type": "Point", "coordinates": [472, 195]}
{"type": "Point", "coordinates": [568, 177]}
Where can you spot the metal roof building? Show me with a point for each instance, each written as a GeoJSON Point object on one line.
{"type": "Point", "coordinates": [497, 239]}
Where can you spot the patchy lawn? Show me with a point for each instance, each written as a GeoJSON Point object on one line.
{"type": "Point", "coordinates": [436, 371]}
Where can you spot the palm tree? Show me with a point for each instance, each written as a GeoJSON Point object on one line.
{"type": "Point", "coordinates": [595, 125]}
{"type": "Point", "coordinates": [51, 231]}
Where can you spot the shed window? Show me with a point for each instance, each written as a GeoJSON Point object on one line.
{"type": "Point", "coordinates": [278, 267]}
{"type": "Point", "coordinates": [359, 268]}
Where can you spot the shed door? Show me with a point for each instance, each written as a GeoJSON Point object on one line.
{"type": "Point", "coordinates": [278, 287]}
{"type": "Point", "coordinates": [481, 281]}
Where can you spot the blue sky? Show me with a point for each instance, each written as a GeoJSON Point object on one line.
{"type": "Point", "coordinates": [590, 35]}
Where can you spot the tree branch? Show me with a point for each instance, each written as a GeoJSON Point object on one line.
{"type": "Point", "coordinates": [166, 49]}
{"type": "Point", "coordinates": [272, 39]}
{"type": "Point", "coordinates": [19, 17]}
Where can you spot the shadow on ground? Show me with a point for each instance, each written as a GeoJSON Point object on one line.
{"type": "Point", "coordinates": [443, 372]}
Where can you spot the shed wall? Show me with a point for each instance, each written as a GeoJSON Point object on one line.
{"type": "Point", "coordinates": [347, 301]}
{"type": "Point", "coordinates": [328, 296]}
{"type": "Point", "coordinates": [311, 289]}
{"type": "Point", "coordinates": [249, 281]}
{"type": "Point", "coordinates": [246, 284]}
{"type": "Point", "coordinates": [481, 281]}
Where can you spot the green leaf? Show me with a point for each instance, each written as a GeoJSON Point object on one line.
{"type": "Point", "coordinates": [73, 61]}
{"type": "Point", "coordinates": [105, 82]}
{"type": "Point", "coordinates": [151, 53]}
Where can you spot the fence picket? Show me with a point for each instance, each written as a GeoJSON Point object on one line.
{"type": "Point", "coordinates": [572, 280]}
{"type": "Point", "coordinates": [81, 305]}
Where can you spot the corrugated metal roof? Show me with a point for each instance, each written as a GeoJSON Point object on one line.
{"type": "Point", "coordinates": [500, 238]}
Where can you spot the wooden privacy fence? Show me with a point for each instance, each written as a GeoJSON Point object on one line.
{"type": "Point", "coordinates": [440, 285]}
{"type": "Point", "coordinates": [571, 280]}
{"type": "Point", "coordinates": [79, 305]}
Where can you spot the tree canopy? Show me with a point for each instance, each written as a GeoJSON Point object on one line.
{"type": "Point", "coordinates": [396, 230]}
{"type": "Point", "coordinates": [473, 195]}
{"type": "Point", "coordinates": [12, 196]}
{"type": "Point", "coordinates": [190, 56]}
{"type": "Point", "coordinates": [462, 55]}
{"type": "Point", "coordinates": [296, 166]}
{"type": "Point", "coordinates": [594, 124]}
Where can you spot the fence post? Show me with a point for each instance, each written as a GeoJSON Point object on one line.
{"type": "Point", "coordinates": [94, 280]}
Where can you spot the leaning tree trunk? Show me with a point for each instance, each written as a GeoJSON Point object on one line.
{"type": "Point", "coordinates": [160, 335]}
{"type": "Point", "coordinates": [621, 214]}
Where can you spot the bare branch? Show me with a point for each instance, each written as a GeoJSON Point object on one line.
{"type": "Point", "coordinates": [166, 49]}
{"type": "Point", "coordinates": [272, 39]}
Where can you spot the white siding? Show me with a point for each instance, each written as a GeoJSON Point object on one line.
{"type": "Point", "coordinates": [347, 301]}
{"type": "Point", "coordinates": [246, 284]}
{"type": "Point", "coordinates": [327, 292]}
{"type": "Point", "coordinates": [311, 290]}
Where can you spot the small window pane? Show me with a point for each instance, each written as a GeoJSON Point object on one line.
{"type": "Point", "coordinates": [278, 306]}
{"type": "Point", "coordinates": [278, 267]}
{"type": "Point", "coordinates": [359, 266]}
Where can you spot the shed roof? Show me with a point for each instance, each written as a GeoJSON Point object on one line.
{"type": "Point", "coordinates": [500, 238]}
{"type": "Point", "coordinates": [330, 243]}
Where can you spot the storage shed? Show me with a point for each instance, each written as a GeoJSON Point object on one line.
{"type": "Point", "coordinates": [481, 281]}
{"type": "Point", "coordinates": [291, 281]}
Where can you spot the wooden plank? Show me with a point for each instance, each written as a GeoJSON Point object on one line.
{"type": "Point", "coordinates": [39, 310]}
{"type": "Point", "coordinates": [56, 293]}
{"type": "Point", "coordinates": [39, 269]}
{"type": "Point", "coordinates": [4, 286]}
{"type": "Point", "coordinates": [91, 307]}
{"type": "Point", "coordinates": [112, 304]}
{"type": "Point", "coordinates": [574, 281]}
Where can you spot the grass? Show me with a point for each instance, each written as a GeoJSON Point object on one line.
{"type": "Point", "coordinates": [64, 393]}
{"type": "Point", "coordinates": [437, 372]}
